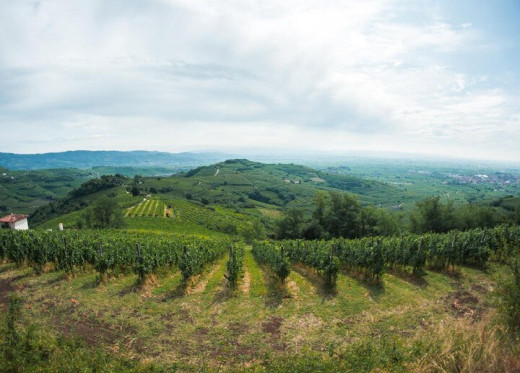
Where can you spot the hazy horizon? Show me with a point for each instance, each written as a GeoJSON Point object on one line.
{"type": "Point", "coordinates": [431, 77]}
{"type": "Point", "coordinates": [314, 158]}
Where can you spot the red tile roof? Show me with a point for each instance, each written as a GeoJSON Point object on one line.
{"type": "Point", "coordinates": [13, 218]}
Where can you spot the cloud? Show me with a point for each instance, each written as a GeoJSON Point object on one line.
{"type": "Point", "coordinates": [320, 74]}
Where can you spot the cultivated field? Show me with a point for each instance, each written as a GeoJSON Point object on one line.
{"type": "Point", "coordinates": [397, 325]}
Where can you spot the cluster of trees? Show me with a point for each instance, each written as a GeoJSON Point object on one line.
{"type": "Point", "coordinates": [104, 213]}
{"type": "Point", "coordinates": [337, 215]}
{"type": "Point", "coordinates": [433, 215]}
{"type": "Point", "coordinates": [96, 185]}
{"type": "Point", "coordinates": [341, 215]}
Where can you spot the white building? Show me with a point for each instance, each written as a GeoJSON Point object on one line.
{"type": "Point", "coordinates": [16, 221]}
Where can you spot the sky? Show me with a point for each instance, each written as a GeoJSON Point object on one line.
{"type": "Point", "coordinates": [300, 76]}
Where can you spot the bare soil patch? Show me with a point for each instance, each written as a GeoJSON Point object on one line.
{"type": "Point", "coordinates": [237, 328]}
{"type": "Point", "coordinates": [201, 334]}
{"type": "Point", "coordinates": [293, 289]}
{"type": "Point", "coordinates": [478, 288]}
{"type": "Point", "coordinates": [465, 304]}
{"type": "Point", "coordinates": [94, 332]}
{"type": "Point", "coordinates": [201, 285]}
{"type": "Point", "coordinates": [6, 287]}
{"type": "Point", "coordinates": [272, 326]}
{"type": "Point", "coordinates": [246, 282]}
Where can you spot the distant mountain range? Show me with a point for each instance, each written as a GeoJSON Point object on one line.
{"type": "Point", "coordinates": [88, 159]}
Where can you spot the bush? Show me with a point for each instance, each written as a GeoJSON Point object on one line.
{"type": "Point", "coordinates": [509, 292]}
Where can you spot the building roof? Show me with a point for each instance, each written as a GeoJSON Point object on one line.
{"type": "Point", "coordinates": [13, 218]}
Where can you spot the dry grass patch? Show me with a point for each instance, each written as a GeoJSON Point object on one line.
{"type": "Point", "coordinates": [246, 282]}
{"type": "Point", "coordinates": [465, 346]}
{"type": "Point", "coordinates": [200, 286]}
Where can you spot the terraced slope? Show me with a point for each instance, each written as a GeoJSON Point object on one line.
{"type": "Point", "coordinates": [263, 324]}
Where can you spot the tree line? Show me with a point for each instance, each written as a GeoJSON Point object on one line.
{"type": "Point", "coordinates": [336, 214]}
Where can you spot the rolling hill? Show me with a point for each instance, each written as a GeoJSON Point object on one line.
{"type": "Point", "coordinates": [238, 185]}
{"type": "Point", "coordinates": [25, 191]}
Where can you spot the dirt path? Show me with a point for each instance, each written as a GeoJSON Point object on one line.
{"type": "Point", "coordinates": [216, 173]}
{"type": "Point", "coordinates": [294, 289]}
{"type": "Point", "coordinates": [246, 282]}
{"type": "Point", "coordinates": [201, 285]}
{"type": "Point", "coordinates": [128, 211]}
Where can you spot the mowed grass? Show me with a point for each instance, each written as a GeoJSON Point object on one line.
{"type": "Point", "coordinates": [205, 324]}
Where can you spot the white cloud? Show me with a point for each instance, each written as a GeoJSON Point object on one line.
{"type": "Point", "coordinates": [318, 74]}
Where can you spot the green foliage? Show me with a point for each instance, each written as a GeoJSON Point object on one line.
{"type": "Point", "coordinates": [366, 355]}
{"type": "Point", "coordinates": [252, 230]}
{"type": "Point", "coordinates": [273, 256]}
{"type": "Point", "coordinates": [96, 185]}
{"type": "Point", "coordinates": [510, 296]}
{"type": "Point", "coordinates": [374, 255]}
{"type": "Point", "coordinates": [291, 225]}
{"type": "Point", "coordinates": [135, 190]}
{"type": "Point", "coordinates": [196, 256]}
{"type": "Point", "coordinates": [318, 255]}
{"type": "Point", "coordinates": [25, 191]}
{"type": "Point", "coordinates": [30, 349]}
{"type": "Point", "coordinates": [104, 213]}
{"type": "Point", "coordinates": [509, 288]}
{"type": "Point", "coordinates": [112, 252]}
{"type": "Point", "coordinates": [12, 342]}
{"type": "Point", "coordinates": [235, 265]}
{"type": "Point", "coordinates": [337, 215]}
{"type": "Point", "coordinates": [433, 216]}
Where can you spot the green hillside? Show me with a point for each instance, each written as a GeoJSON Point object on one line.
{"type": "Point", "coordinates": [119, 300]}
{"type": "Point", "coordinates": [25, 191]}
{"type": "Point", "coordinates": [218, 198]}
{"type": "Point", "coordinates": [246, 187]}
{"type": "Point", "coordinates": [246, 184]}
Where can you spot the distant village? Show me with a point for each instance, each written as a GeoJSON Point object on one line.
{"type": "Point", "coordinates": [495, 179]}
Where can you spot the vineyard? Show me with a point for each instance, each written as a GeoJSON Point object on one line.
{"type": "Point", "coordinates": [397, 301]}
{"type": "Point", "coordinates": [372, 256]}
{"type": "Point", "coordinates": [185, 216]}
{"type": "Point", "coordinates": [110, 252]}
{"type": "Point", "coordinates": [148, 208]}
{"type": "Point", "coordinates": [116, 252]}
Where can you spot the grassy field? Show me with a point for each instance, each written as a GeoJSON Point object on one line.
{"type": "Point", "coordinates": [444, 322]}
{"type": "Point", "coordinates": [25, 191]}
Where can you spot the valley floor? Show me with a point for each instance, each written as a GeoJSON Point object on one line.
{"type": "Point", "coordinates": [400, 325]}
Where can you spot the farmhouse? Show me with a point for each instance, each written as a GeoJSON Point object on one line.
{"type": "Point", "coordinates": [15, 221]}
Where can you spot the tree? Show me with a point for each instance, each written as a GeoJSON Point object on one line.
{"type": "Point", "coordinates": [104, 213]}
{"type": "Point", "coordinates": [378, 222]}
{"type": "Point", "coordinates": [135, 190]}
{"type": "Point", "coordinates": [343, 219]}
{"type": "Point", "coordinates": [321, 200]}
{"type": "Point", "coordinates": [291, 225]}
{"type": "Point", "coordinates": [432, 215]}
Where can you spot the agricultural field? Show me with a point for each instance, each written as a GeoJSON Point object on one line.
{"type": "Point", "coordinates": [188, 217]}
{"type": "Point", "coordinates": [460, 182]}
{"type": "Point", "coordinates": [186, 317]}
{"type": "Point", "coordinates": [148, 208]}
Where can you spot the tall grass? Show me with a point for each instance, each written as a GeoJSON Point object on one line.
{"type": "Point", "coordinates": [466, 347]}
